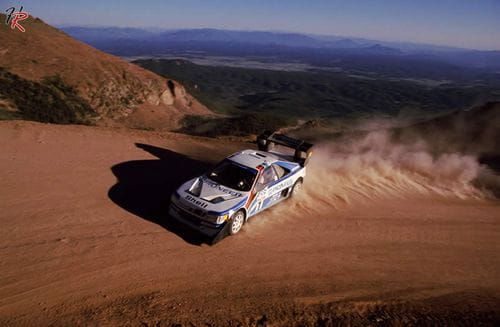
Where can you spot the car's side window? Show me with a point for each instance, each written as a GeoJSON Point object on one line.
{"type": "Point", "coordinates": [268, 176]}
{"type": "Point", "coordinates": [280, 171]}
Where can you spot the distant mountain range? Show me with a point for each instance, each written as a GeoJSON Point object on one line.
{"type": "Point", "coordinates": [137, 41]}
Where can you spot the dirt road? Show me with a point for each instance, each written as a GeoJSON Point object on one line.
{"type": "Point", "coordinates": [84, 239]}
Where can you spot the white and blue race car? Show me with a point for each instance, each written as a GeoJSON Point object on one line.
{"type": "Point", "coordinates": [241, 186]}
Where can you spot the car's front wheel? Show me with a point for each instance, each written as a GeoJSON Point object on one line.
{"type": "Point", "coordinates": [236, 222]}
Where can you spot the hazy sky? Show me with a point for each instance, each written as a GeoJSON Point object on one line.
{"type": "Point", "coordinates": [463, 23]}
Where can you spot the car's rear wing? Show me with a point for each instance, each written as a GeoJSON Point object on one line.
{"type": "Point", "coordinates": [303, 149]}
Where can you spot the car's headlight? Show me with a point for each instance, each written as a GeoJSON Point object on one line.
{"type": "Point", "coordinates": [222, 219]}
{"type": "Point", "coordinates": [217, 219]}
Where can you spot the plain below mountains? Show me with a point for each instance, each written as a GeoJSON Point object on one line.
{"type": "Point", "coordinates": [335, 99]}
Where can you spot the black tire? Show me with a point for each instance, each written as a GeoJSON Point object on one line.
{"type": "Point", "coordinates": [296, 188]}
{"type": "Point", "coordinates": [236, 223]}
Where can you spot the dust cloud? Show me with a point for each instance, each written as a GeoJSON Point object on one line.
{"type": "Point", "coordinates": [374, 167]}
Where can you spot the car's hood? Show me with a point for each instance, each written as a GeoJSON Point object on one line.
{"type": "Point", "coordinates": [209, 195]}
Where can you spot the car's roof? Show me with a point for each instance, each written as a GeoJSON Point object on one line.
{"type": "Point", "coordinates": [254, 158]}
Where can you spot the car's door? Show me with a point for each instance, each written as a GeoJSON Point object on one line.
{"type": "Point", "coordinates": [262, 199]}
{"type": "Point", "coordinates": [280, 189]}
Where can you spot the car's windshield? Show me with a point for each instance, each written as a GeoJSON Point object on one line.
{"type": "Point", "coordinates": [230, 174]}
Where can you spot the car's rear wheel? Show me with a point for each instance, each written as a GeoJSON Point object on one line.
{"type": "Point", "coordinates": [236, 222]}
{"type": "Point", "coordinates": [297, 188]}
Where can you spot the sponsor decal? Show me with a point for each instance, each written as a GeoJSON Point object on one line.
{"type": "Point", "coordinates": [196, 201]}
{"type": "Point", "coordinates": [271, 194]}
{"type": "Point", "coordinates": [280, 186]}
{"type": "Point", "coordinates": [223, 188]}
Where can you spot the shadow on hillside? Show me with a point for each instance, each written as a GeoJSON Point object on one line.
{"type": "Point", "coordinates": [144, 187]}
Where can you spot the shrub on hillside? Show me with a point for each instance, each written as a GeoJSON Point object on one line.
{"type": "Point", "coordinates": [50, 100]}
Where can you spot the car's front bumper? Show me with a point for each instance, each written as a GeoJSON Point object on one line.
{"type": "Point", "coordinates": [194, 222]}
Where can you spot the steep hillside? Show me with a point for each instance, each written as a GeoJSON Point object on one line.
{"type": "Point", "coordinates": [113, 88]}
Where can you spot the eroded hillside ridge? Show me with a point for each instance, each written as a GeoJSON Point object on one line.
{"type": "Point", "coordinates": [112, 87]}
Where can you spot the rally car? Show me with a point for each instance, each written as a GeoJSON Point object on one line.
{"type": "Point", "coordinates": [241, 186]}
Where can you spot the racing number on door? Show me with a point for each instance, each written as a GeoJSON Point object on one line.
{"type": "Point", "coordinates": [267, 177]}
{"type": "Point", "coordinates": [261, 196]}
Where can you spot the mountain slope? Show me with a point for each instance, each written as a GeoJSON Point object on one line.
{"type": "Point", "coordinates": [113, 88]}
